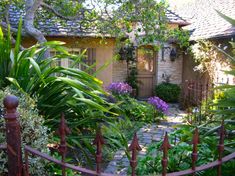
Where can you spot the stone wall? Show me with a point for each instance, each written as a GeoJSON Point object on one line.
{"type": "Point", "coordinates": [166, 67]}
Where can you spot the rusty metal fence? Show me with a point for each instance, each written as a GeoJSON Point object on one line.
{"type": "Point", "coordinates": [196, 99]}
{"type": "Point", "coordinates": [18, 165]}
{"type": "Point", "coordinates": [195, 92]}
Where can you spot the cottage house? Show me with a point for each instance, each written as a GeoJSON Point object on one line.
{"type": "Point", "coordinates": [207, 24]}
{"type": "Point", "coordinates": [153, 68]}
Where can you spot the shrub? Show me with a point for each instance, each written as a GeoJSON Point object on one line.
{"type": "Point", "coordinates": [168, 92]}
{"type": "Point", "coordinates": [138, 110]}
{"type": "Point", "coordinates": [33, 132]}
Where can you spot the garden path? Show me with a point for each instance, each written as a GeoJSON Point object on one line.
{"type": "Point", "coordinates": [146, 135]}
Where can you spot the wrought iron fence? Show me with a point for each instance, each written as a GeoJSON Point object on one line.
{"type": "Point", "coordinates": [196, 99]}
{"type": "Point", "coordinates": [18, 165]}
{"type": "Point", "coordinates": [195, 92]}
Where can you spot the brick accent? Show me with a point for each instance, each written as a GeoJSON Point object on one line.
{"type": "Point", "coordinates": [167, 67]}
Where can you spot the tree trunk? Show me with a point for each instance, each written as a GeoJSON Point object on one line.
{"type": "Point", "coordinates": [31, 7]}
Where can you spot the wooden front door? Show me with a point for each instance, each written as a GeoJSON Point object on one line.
{"type": "Point", "coordinates": [146, 71]}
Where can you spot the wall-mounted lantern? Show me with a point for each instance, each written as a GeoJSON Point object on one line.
{"type": "Point", "coordinates": [173, 54]}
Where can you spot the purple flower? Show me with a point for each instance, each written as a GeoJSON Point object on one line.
{"type": "Point", "coordinates": [158, 103]}
{"type": "Point", "coordinates": [119, 88]}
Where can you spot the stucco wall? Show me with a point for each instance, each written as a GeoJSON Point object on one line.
{"type": "Point", "coordinates": [166, 67]}
{"type": "Point", "coordinates": [104, 52]}
{"type": "Point", "coordinates": [104, 55]}
{"type": "Point", "coordinates": [188, 70]}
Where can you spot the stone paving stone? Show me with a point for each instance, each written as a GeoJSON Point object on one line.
{"type": "Point", "coordinates": [148, 141]}
{"type": "Point", "coordinates": [120, 152]}
{"type": "Point", "coordinates": [125, 164]}
{"type": "Point", "coordinates": [111, 170]}
{"type": "Point", "coordinates": [148, 134]}
{"type": "Point", "coordinates": [113, 163]}
{"type": "Point", "coordinates": [157, 138]}
{"type": "Point", "coordinates": [123, 172]}
{"type": "Point", "coordinates": [118, 157]}
{"type": "Point", "coordinates": [147, 137]}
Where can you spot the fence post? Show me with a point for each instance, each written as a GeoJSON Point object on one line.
{"type": "Point", "coordinates": [99, 141]}
{"type": "Point", "coordinates": [221, 147]}
{"type": "Point", "coordinates": [165, 147]}
{"type": "Point", "coordinates": [13, 138]}
{"type": "Point", "coordinates": [63, 131]}
{"type": "Point", "coordinates": [134, 147]}
{"type": "Point", "coordinates": [194, 153]}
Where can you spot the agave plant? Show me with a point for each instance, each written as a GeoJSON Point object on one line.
{"type": "Point", "coordinates": [75, 93]}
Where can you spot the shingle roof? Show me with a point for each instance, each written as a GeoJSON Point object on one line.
{"type": "Point", "coordinates": [54, 27]}
{"type": "Point", "coordinates": [173, 17]}
{"type": "Point", "coordinates": [205, 21]}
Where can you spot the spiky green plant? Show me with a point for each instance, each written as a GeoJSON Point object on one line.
{"type": "Point", "coordinates": [76, 93]}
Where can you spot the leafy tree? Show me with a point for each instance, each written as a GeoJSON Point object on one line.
{"type": "Point", "coordinates": [130, 19]}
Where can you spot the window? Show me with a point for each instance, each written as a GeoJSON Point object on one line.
{"type": "Point", "coordinates": [88, 61]}
{"type": "Point", "coordinates": [145, 60]}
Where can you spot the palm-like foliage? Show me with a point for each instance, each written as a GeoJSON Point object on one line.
{"type": "Point", "coordinates": [79, 95]}
{"type": "Point", "coordinates": [227, 104]}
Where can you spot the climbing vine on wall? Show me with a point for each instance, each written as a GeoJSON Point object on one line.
{"type": "Point", "coordinates": [206, 55]}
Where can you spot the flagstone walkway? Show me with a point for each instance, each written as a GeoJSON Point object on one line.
{"type": "Point", "coordinates": [146, 135]}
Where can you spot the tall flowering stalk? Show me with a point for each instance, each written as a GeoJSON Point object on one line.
{"type": "Point", "coordinates": [159, 104]}
{"type": "Point", "coordinates": [120, 88]}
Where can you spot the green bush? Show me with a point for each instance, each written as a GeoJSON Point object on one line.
{"type": "Point", "coordinates": [33, 132]}
{"type": "Point", "coordinates": [168, 92]}
{"type": "Point", "coordinates": [137, 110]}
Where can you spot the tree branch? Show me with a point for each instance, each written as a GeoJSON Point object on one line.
{"type": "Point", "coordinates": [31, 8]}
{"type": "Point", "coordinates": [80, 16]}
{"type": "Point", "coordinates": [77, 17]}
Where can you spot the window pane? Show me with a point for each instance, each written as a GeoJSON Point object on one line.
{"type": "Point", "coordinates": [145, 60]}
{"type": "Point", "coordinates": [89, 59]}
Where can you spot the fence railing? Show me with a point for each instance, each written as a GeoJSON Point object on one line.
{"type": "Point", "coordinates": [195, 92]}
{"type": "Point", "coordinates": [18, 165]}
{"type": "Point", "coordinates": [195, 99]}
